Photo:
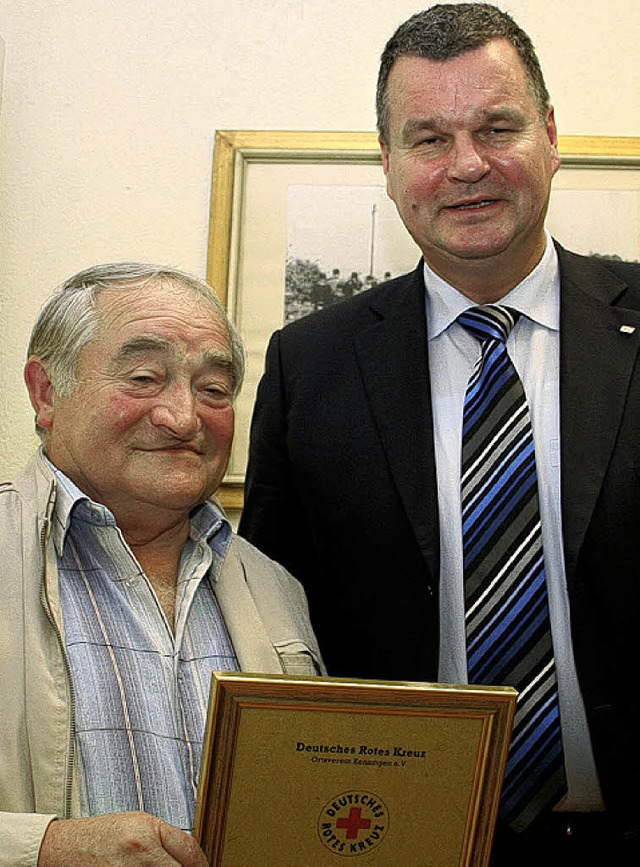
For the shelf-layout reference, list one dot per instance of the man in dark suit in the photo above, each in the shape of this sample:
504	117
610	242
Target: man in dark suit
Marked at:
353	478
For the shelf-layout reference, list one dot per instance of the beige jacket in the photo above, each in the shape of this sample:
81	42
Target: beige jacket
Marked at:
265	610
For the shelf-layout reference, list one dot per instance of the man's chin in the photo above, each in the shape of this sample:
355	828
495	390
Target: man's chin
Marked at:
468	250
175	490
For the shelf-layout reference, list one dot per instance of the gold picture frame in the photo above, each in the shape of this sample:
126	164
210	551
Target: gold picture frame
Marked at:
313	770
247	245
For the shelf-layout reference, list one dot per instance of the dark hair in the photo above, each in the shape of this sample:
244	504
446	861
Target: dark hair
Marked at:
447	30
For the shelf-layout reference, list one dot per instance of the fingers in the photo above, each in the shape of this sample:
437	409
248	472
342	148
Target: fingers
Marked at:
118	840
181	846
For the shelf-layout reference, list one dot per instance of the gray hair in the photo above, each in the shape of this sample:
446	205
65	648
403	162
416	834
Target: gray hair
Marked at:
448	30
69	320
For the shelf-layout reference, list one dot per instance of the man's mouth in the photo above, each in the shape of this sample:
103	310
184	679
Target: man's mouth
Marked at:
472	206
175	448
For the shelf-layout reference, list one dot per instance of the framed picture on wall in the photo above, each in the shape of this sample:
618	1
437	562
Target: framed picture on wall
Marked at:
300	220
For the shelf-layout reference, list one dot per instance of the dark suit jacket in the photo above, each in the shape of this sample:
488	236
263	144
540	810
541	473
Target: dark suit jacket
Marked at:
341	488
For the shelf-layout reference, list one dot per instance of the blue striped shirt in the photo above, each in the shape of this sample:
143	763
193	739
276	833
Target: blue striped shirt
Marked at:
141	688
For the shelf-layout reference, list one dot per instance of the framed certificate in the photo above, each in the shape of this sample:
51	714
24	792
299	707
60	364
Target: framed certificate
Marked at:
307	772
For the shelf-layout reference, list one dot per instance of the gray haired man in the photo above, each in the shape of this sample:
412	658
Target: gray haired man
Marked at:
124	586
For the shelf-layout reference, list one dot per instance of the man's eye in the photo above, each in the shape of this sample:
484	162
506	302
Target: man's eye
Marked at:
218	395
143	380
430	146
500	132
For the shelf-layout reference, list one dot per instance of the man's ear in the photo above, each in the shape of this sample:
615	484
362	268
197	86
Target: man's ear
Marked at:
384	150
552	134
40	392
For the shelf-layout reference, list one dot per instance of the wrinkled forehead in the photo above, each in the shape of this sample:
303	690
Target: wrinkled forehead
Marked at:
495	66
170	290
159	317
161	299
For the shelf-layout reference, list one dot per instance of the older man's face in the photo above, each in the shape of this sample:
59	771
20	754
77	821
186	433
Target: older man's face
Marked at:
151	422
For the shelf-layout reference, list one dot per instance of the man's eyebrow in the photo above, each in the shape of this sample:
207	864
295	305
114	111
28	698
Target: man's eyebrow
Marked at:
418	124
510	113
144	344
221	360
140	345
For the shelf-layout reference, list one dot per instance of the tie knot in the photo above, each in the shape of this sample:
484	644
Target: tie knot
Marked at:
489	321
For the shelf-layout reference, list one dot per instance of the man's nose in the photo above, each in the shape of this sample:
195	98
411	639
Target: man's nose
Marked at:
467	161
176	410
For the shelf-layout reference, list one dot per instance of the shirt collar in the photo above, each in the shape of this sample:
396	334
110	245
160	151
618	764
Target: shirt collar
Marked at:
537	297
207	519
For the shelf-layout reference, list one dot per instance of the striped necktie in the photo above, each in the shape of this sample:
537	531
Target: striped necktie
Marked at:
507	613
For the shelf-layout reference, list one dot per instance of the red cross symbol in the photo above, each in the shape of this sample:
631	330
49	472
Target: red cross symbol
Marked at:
354	823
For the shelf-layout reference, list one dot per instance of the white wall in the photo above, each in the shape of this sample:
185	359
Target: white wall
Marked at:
109	112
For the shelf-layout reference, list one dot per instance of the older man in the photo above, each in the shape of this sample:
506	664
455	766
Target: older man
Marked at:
123	585
392	464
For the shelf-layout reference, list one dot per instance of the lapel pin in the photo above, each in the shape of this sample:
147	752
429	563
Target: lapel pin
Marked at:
627	329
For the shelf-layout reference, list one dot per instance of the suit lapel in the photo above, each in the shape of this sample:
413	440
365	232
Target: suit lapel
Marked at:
597	359
392	355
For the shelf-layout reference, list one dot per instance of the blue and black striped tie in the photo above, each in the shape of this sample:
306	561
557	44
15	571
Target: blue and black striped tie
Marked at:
507	613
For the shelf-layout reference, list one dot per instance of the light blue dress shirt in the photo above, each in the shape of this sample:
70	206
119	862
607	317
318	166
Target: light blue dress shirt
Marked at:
141	688
534	347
